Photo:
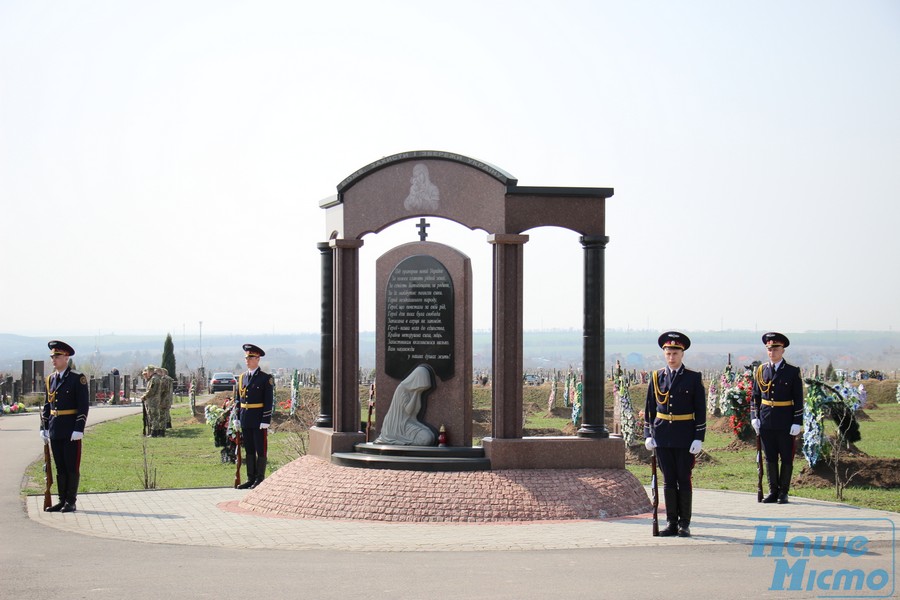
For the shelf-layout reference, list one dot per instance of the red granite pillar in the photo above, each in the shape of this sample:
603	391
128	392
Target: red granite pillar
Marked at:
507	335
346	335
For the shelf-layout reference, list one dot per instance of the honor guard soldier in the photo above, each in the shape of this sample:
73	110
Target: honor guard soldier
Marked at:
776	414
255	398
675	425
62	423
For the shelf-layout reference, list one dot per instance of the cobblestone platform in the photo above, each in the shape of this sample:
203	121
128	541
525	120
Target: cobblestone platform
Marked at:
312	488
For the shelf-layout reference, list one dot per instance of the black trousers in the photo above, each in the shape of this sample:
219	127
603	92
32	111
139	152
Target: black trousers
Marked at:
676	464
256	446
777	443
67	456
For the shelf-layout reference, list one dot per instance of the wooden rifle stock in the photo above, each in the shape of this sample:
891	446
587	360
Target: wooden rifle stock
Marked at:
654	493
759	470
371	406
146	425
48	477
237	449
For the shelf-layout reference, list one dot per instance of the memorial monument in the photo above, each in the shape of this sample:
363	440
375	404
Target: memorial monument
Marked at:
424	355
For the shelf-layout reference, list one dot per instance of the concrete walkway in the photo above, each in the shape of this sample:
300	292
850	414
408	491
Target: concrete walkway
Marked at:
630	561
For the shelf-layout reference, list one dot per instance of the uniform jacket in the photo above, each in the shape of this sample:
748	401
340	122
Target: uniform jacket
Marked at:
685	397
253	391
153	395
70	394
165	392
787	386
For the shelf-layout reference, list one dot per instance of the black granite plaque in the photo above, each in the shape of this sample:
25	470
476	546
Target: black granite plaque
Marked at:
419	317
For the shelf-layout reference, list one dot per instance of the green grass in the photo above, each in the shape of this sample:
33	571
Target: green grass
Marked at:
881	433
113	457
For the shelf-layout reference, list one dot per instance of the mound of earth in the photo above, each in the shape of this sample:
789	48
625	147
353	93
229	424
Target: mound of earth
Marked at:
862	471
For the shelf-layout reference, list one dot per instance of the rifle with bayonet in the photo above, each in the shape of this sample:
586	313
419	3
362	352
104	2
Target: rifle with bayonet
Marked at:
48	477
759	470
371	407
654	485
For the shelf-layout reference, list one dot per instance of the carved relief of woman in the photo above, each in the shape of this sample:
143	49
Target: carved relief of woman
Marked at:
423	195
400	426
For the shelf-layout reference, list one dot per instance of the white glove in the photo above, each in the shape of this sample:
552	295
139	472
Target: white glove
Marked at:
263	425
755	424
77	435
45	435
650	444
696	447
795	429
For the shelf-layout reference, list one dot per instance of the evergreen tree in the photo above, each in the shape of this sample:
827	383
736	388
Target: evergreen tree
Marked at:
829	372
168	356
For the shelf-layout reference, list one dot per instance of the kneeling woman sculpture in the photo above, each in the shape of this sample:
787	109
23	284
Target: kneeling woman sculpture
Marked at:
400	427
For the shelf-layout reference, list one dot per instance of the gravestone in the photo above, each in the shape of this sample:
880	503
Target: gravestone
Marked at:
27	376
424	311
38	381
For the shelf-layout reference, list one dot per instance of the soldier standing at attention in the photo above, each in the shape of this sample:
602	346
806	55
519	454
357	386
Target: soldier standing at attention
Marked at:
675	424
776	414
62	423
255	398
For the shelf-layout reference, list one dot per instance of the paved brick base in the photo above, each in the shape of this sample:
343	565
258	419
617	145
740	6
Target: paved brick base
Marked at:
312	488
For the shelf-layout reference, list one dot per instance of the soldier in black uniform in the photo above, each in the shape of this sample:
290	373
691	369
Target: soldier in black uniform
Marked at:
254	401
675	425
776	414
62	423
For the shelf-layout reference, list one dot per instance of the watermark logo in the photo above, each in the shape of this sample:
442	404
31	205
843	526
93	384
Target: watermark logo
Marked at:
837	558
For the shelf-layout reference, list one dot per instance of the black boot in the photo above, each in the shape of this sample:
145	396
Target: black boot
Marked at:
784	481
772	474
260	471
671	499
685	499
56	507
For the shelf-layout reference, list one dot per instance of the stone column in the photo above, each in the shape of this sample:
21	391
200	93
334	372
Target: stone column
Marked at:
345	369
126	387
593	398
506	361
326	384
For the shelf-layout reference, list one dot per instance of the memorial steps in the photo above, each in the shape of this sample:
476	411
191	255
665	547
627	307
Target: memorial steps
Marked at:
414	458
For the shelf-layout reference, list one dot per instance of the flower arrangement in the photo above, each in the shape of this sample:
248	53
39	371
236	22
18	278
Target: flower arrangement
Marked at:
576	403
712	399
736	400
839	402
898	393
15	407
567	390
621	387
213	413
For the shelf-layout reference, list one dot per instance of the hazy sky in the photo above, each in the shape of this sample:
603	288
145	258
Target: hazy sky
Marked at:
161	163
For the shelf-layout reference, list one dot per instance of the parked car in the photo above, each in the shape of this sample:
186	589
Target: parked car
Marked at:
222	382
